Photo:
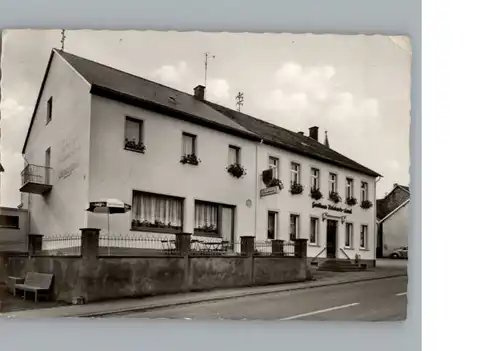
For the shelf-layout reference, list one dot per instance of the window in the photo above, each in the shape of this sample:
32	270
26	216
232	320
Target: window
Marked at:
214	220
188	144
234	155
272	225
348	235
349	188
49	110
133	130
10	222
332	183
157	212
294	226
364	191
363	239
274	165
295	173
313	236
314	178
206	217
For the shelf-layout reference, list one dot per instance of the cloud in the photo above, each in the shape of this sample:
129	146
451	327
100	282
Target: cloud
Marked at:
173	75
217	89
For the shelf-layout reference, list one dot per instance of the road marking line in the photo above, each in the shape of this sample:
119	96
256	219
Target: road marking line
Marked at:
319	311
401	294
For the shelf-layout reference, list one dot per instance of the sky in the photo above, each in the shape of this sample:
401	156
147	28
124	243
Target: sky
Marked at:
355	87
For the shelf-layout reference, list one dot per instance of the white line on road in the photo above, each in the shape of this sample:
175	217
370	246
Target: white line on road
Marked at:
401	294
319	311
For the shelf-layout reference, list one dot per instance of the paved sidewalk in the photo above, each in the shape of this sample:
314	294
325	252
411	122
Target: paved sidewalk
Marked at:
142	304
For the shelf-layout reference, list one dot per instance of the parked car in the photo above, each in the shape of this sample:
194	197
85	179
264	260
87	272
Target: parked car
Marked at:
401	252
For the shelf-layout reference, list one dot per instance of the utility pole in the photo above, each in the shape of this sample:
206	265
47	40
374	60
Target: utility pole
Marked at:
63	38
207	56
239	100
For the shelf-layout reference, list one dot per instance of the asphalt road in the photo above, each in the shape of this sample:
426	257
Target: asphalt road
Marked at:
377	300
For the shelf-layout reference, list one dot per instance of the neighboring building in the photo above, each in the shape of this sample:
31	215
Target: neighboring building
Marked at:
13	229
175	172
393	218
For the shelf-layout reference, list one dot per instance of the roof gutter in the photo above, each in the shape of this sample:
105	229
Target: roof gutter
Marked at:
159	108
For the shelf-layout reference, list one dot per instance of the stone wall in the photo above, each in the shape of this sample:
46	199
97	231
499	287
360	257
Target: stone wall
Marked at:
96	278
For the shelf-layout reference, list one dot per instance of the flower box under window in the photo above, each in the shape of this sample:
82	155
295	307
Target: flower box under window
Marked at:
275	182
236	170
133	145
351	201
296	188
190	159
335	197
137	224
366	204
316	194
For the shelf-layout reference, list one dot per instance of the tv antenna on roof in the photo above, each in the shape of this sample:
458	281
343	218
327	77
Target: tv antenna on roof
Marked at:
63	38
239	100
207	56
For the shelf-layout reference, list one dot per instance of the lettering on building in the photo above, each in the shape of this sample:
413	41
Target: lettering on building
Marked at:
331	207
269	191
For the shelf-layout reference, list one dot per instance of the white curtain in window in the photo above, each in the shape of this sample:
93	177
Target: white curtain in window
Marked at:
151	208
233	158
132	131
187	145
206	216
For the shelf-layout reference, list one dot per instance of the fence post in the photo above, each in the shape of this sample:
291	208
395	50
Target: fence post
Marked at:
90	242
300	248
247	245
183	243
34	243
277	247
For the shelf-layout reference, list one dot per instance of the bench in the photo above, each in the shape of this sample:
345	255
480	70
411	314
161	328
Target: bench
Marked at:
39	283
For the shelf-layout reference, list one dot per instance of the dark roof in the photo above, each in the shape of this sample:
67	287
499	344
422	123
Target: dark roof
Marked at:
292	141
407	188
112	83
385	206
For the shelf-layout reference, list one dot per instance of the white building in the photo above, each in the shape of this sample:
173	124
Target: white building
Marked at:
394	220
79	148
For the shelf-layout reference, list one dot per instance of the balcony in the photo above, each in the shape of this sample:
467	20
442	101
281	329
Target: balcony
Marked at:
36	179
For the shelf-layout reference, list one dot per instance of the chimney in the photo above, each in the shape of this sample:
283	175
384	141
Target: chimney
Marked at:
301	133
313	133
199	92
395	184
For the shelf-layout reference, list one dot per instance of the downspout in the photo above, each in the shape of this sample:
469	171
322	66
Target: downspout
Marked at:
256	186
29	201
375	219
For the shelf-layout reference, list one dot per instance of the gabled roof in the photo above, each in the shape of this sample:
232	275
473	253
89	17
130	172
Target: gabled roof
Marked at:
383	208
403	204
118	85
292	141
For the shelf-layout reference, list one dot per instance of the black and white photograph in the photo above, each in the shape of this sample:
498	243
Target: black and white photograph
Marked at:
204	176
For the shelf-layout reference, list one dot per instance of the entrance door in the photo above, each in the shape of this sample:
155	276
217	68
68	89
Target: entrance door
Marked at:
331	238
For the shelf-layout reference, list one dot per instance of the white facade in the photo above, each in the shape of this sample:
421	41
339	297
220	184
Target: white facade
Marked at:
86	137
396	228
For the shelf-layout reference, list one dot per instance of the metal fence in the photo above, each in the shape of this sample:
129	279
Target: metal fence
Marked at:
161	245
276	248
137	245
61	245
214	247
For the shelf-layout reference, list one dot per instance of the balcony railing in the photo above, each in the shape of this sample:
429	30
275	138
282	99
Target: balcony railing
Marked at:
36	179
